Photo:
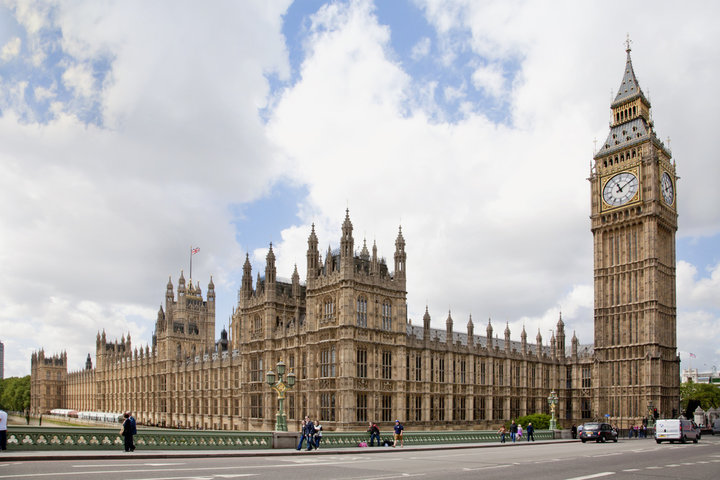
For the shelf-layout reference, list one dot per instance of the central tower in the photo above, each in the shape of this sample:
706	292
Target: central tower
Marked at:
634	220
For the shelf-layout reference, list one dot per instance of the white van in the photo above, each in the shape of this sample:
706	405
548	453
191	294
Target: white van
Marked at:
672	430
716	427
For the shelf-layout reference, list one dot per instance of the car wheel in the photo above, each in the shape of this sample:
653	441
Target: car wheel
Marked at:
683	440
615	439
695	440
604	439
658	441
582	440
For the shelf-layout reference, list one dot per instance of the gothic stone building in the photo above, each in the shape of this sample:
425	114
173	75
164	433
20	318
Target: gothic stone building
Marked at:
344	332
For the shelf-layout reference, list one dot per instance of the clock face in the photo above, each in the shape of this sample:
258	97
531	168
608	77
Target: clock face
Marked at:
620	189
666	186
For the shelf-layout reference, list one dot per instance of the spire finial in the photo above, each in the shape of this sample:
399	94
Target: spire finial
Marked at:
627	44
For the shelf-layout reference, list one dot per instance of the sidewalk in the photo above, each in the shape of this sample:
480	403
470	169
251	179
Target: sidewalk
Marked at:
55	455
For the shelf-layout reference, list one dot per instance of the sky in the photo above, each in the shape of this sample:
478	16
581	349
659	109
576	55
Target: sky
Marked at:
131	131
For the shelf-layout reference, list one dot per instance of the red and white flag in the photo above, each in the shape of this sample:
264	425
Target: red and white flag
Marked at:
692	355
195	250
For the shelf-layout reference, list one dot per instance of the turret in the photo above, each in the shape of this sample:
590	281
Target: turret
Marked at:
181	284
246	282
295	283
374	265
470	332
507	337
560	337
211	291
88	363
400	256
347	244
426	324
553	346
169	294
270	270
538	339
574	343
523	340
365	253
449	329
489	334
313	255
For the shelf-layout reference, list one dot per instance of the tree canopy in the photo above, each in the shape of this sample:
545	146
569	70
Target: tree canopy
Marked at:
704	395
15	393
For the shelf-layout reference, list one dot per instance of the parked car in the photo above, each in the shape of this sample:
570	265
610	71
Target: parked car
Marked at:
716	427
599	432
676	430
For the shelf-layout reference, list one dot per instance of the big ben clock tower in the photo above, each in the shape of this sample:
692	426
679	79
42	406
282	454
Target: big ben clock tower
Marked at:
634	220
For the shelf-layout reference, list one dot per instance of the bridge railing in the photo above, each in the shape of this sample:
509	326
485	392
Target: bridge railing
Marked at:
88	438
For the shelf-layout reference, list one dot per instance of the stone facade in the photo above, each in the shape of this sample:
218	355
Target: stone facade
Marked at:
344	332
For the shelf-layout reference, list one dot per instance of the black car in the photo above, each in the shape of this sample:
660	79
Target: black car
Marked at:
599	432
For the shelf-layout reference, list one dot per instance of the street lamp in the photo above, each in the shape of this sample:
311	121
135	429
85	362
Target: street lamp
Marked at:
552	401
280	387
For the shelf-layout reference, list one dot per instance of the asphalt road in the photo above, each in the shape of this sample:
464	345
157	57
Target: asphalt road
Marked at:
627	459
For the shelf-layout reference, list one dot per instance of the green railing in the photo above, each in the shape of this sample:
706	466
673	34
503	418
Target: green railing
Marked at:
88	438
353	439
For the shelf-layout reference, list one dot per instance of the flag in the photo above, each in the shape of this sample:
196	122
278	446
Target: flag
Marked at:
195	250
692	355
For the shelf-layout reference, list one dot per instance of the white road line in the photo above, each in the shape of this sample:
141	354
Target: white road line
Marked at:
596	475
607	455
485	468
672	465
653	468
130	465
631	470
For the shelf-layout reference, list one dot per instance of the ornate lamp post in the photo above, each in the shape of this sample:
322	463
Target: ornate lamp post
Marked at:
280	387
651	417
552	401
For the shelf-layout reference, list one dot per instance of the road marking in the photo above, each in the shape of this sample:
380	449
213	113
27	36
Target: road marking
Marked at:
607	454
653	468
596	475
631	470
485	468
703	461
672	465
548	461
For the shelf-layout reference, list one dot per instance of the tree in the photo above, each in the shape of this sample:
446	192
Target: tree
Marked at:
703	395
15	393
541	421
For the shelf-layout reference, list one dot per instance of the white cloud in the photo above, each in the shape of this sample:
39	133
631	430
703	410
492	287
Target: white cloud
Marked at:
421	49
11	49
495	215
79	78
490	79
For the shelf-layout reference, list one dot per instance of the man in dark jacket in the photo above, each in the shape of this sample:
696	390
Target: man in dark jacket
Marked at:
513	431
129	429
374	432
530	431
309	432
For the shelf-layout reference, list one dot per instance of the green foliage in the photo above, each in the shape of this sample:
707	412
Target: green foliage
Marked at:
692	395
15	393
541	421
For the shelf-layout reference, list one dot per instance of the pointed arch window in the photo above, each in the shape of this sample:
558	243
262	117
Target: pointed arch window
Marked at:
387	315
328	309
362	312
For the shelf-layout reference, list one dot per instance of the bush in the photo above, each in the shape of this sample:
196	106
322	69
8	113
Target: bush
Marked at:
540	421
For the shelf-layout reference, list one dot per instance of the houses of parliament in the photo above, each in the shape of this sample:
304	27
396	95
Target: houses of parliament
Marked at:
345	334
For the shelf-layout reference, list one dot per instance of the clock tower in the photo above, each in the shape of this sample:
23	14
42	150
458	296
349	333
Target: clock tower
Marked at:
634	220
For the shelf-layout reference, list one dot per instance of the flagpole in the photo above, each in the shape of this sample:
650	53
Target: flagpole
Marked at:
191	254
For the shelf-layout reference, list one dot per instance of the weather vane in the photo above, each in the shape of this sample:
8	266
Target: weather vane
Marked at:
627	43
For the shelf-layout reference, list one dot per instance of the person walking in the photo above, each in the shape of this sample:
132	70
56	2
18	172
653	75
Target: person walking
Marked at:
530	432
309	433
519	435
398	433
318	434
302	433
3	430
374	432
502	432
573	431
127	431
513	431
